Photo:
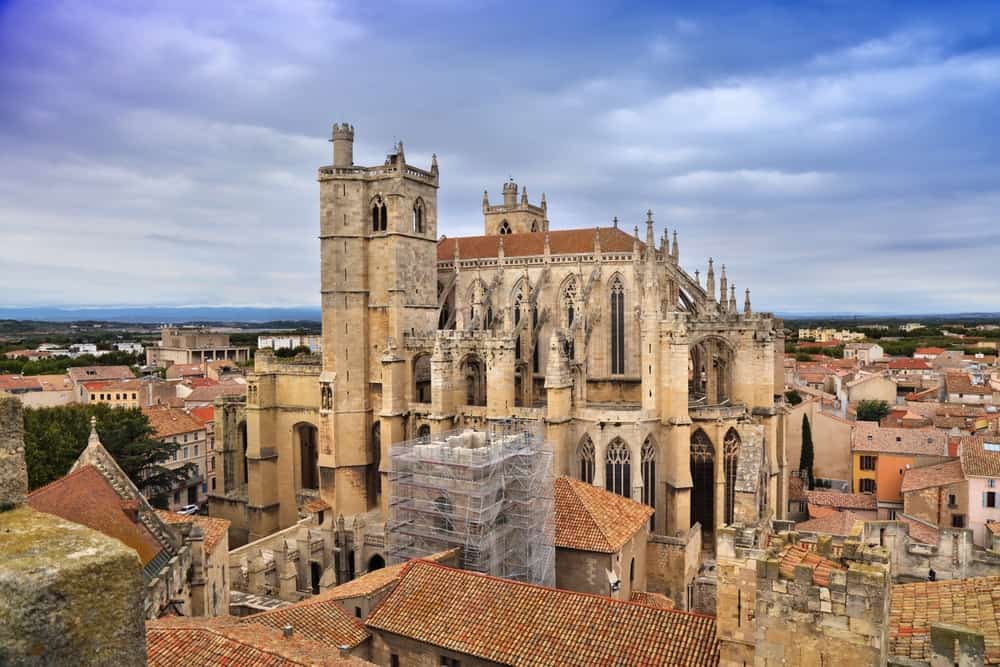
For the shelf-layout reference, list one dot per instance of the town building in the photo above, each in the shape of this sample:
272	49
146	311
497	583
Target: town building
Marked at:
78	375
959	388
128	347
38	391
193	346
937	494
650	381
881	456
865	353
290	342
981	466
114	393
186	431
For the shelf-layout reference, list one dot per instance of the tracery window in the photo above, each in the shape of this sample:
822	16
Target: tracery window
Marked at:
649	478
587	456
731	452
418	217
504	228
618	468
379	215
617	326
569	301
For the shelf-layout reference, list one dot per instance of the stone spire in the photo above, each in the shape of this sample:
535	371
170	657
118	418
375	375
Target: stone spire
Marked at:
746	303
486	201
723	288
399	152
94	440
544	204
524	196
635	241
697	277
710	280
650	234
675	250
732	298
665	244
434	163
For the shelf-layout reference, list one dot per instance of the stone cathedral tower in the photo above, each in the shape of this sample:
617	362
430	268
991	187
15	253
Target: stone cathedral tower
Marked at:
378	248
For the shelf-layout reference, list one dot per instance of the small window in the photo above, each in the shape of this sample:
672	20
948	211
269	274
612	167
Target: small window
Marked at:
185	452
394	660
196	450
357	612
213	484
990	499
892	515
952	500
958	521
867	486
868	462
992	483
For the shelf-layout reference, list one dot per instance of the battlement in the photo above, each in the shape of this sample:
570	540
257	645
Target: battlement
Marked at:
343	131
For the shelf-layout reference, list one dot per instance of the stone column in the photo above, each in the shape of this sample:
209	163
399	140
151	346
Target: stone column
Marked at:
600	453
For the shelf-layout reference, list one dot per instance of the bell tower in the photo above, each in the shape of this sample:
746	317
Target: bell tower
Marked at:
378	254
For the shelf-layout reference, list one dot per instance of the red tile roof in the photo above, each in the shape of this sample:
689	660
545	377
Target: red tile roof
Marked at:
204	413
168	421
561	242
113	385
940	474
980	455
658	600
19	383
320	618
929	350
870	437
592	519
960	383
908	364
84	496
213	528
797	554
834	523
853	501
209	394
919	531
86	373
974	602
521	624
375	581
184	370
205	642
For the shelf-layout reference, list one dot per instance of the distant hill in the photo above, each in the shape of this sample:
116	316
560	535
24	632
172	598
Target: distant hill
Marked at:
162	314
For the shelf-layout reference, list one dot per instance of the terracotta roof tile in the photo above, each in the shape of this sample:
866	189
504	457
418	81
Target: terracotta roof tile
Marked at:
920	531
658	600
592	519
86	373
319	618
203	642
561	242
960	383
870	437
797	554
834	523
204	413
209	394
513	623
974	602
929	350
168	421
84	496
853	501
940	474
19	383
907	364
372	582
213	528
184	370
980	455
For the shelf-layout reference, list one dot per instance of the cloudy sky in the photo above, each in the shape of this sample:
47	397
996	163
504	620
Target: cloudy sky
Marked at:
836	156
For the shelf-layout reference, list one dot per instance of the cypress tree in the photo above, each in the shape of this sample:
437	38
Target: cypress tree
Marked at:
806	460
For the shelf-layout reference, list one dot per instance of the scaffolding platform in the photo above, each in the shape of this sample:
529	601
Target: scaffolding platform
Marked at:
489	492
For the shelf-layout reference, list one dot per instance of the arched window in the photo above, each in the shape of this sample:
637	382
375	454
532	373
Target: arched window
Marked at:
649	477
731	451
703	479
424	431
474	372
504	228
418	217
534	225
569	302
308	456
422	378
617	326
587	456
618	469
379	215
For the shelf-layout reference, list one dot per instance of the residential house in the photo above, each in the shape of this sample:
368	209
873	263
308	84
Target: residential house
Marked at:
881	456
39	391
81	374
928	353
865	353
959	388
189	434
981	464
206	415
185	371
115	393
937	494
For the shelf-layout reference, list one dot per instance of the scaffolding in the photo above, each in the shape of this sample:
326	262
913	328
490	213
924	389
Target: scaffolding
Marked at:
488	492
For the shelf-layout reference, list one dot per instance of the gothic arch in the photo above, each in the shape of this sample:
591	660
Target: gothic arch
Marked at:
380	218
711	366
534	225
419	216
647	459
618	468
504	228
424	431
586	456
473	371
731	457
307	445
617	323
703	479
569	293
422	377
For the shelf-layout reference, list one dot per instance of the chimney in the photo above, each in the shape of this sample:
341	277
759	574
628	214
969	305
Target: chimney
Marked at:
287	631
344	651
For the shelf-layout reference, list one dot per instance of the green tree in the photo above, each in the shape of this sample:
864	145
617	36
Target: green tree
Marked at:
793	397
806	456
872	411
55	437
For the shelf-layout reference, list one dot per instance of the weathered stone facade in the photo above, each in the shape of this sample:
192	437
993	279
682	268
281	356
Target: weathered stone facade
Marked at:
650	381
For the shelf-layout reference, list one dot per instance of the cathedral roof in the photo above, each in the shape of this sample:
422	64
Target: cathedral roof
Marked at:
319	618
561	242
514	623
591	519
